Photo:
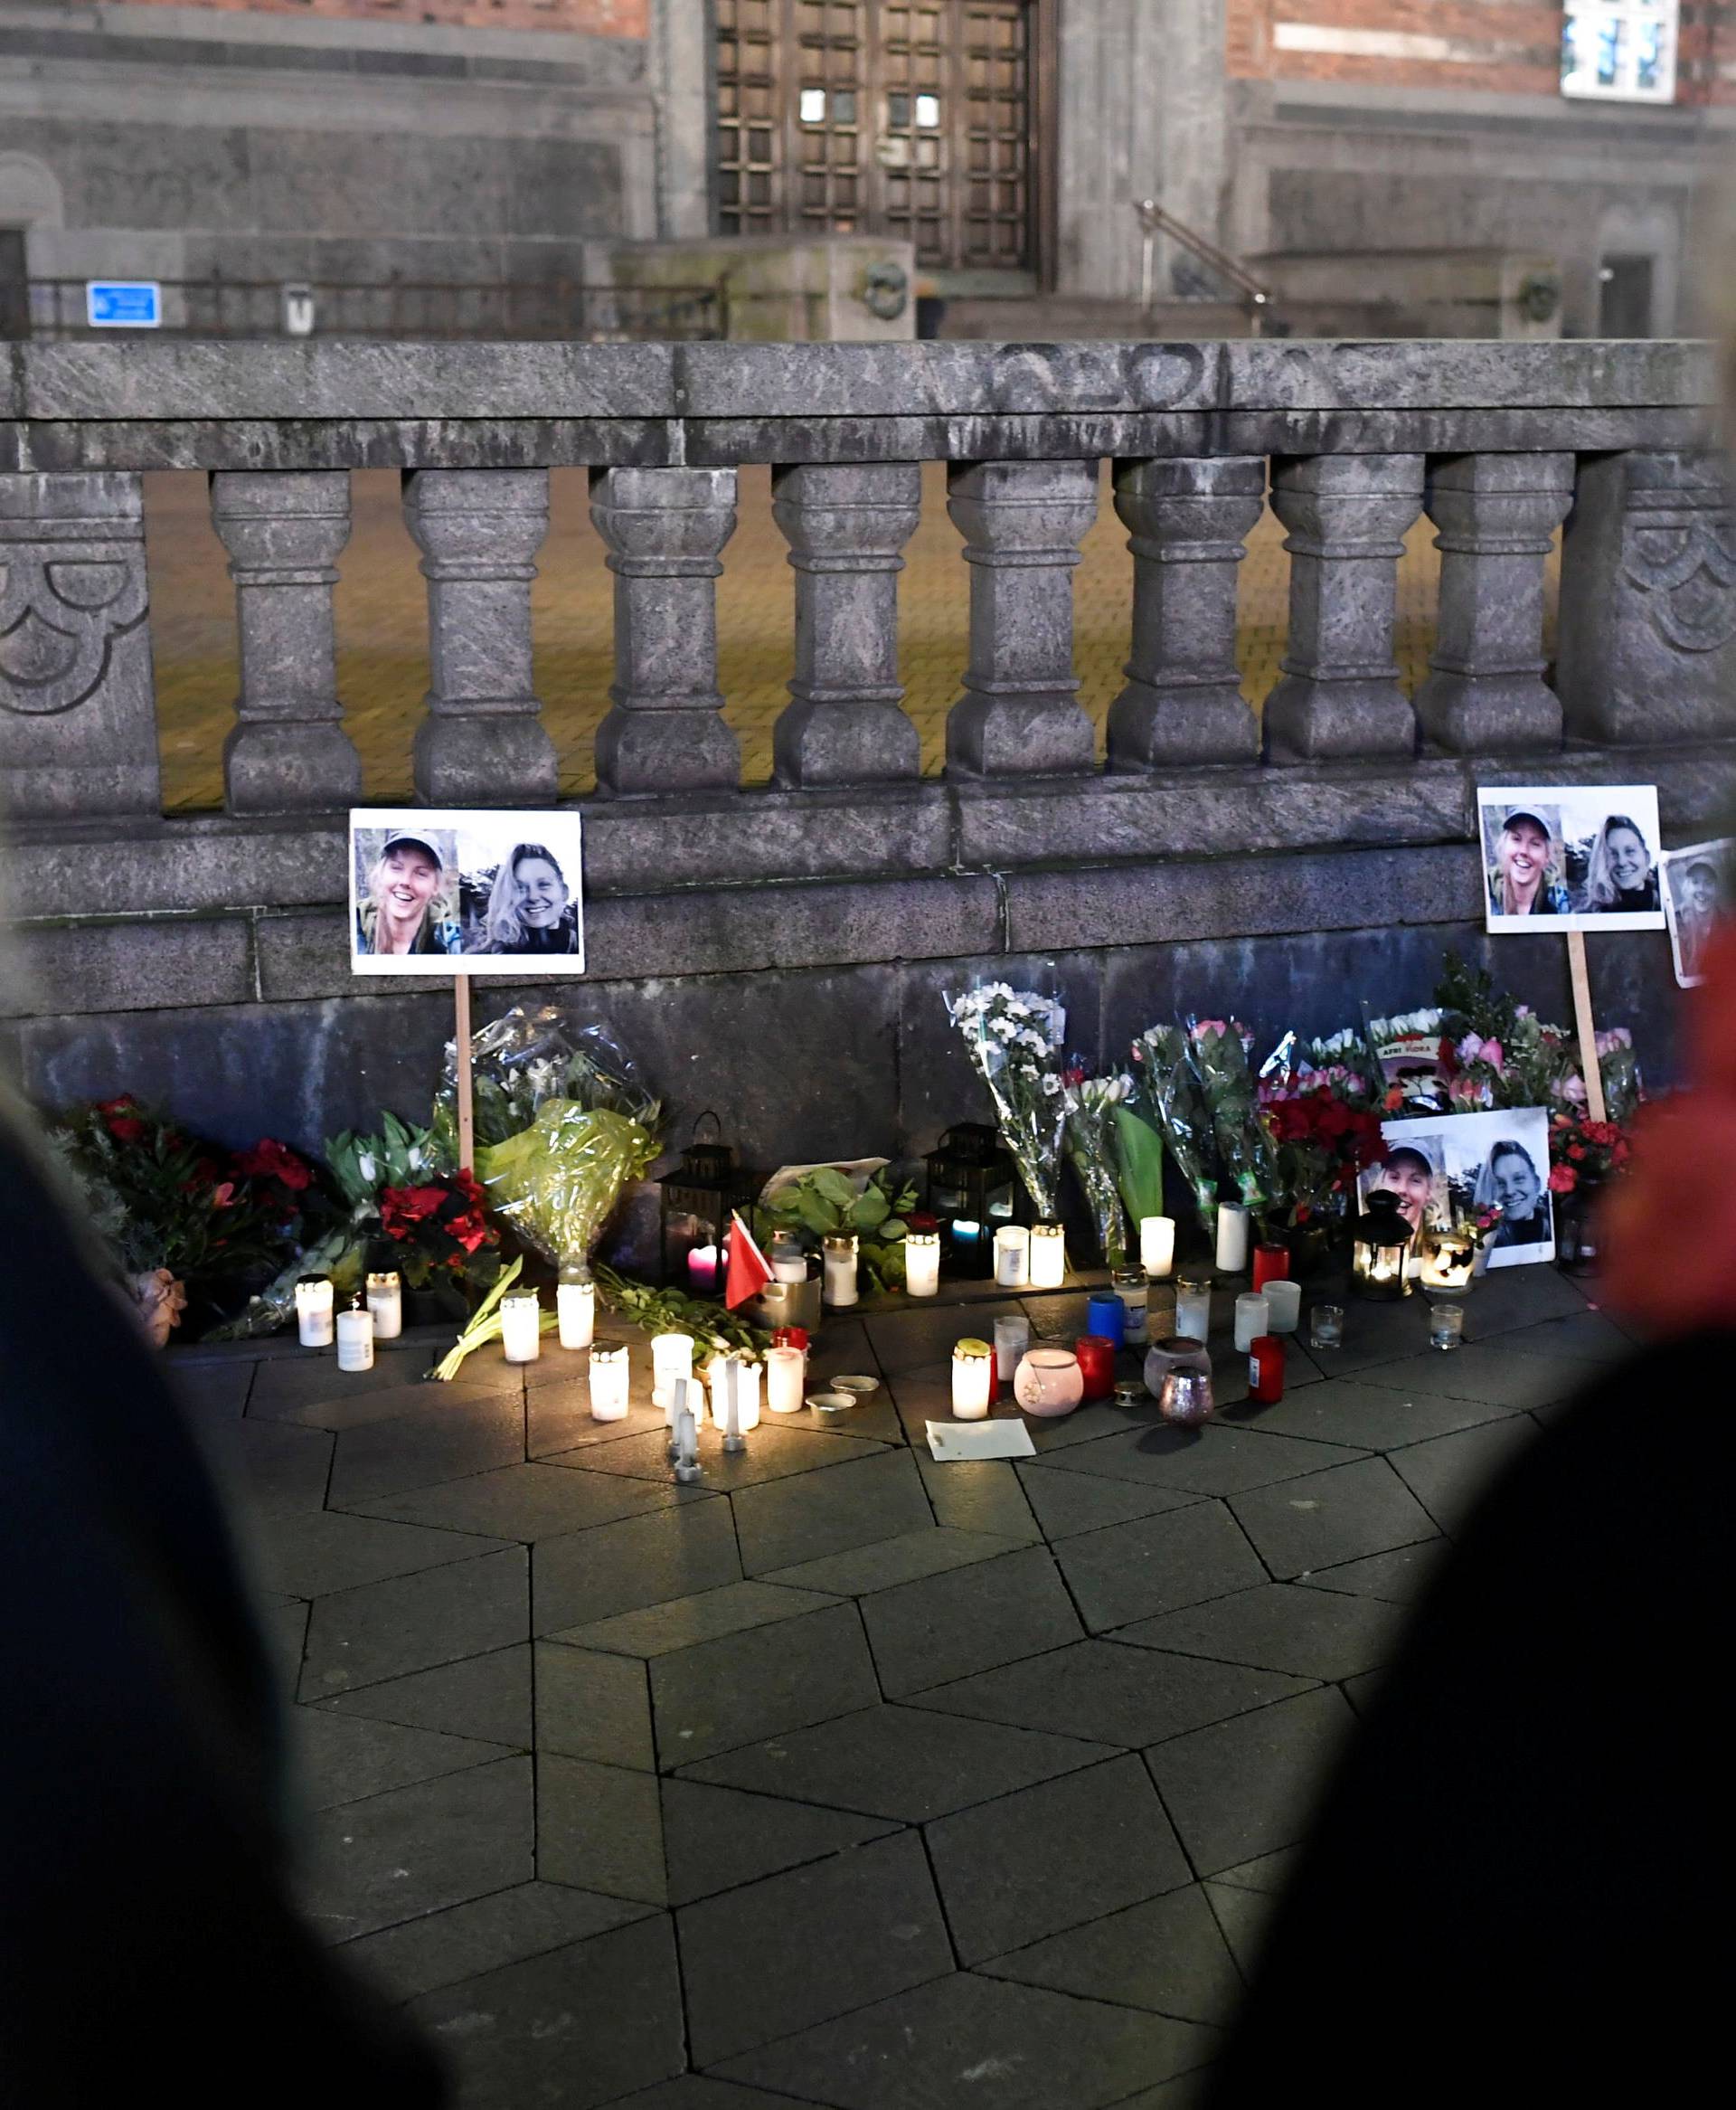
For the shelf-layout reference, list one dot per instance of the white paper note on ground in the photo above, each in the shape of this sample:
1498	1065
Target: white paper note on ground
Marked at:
952	1443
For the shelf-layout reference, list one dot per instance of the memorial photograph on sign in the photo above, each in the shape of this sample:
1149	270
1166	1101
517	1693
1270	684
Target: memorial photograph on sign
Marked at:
1450	1168
1697	893
1580	857
436	892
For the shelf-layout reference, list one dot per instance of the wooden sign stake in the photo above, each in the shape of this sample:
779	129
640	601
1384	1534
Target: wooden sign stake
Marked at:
1588	1026
461	1045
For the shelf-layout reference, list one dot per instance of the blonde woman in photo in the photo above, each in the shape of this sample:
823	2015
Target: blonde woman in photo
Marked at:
530	908
407	909
1620	876
1525	879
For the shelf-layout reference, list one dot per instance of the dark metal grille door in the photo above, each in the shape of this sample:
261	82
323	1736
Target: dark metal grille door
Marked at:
848	116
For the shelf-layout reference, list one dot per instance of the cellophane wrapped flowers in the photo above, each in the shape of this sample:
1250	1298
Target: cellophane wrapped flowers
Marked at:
1220	1048
1014	1038
1171	1090
1090	1104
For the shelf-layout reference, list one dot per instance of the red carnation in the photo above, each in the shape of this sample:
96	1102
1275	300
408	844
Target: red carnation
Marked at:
126	1127
1563	1179
269	1160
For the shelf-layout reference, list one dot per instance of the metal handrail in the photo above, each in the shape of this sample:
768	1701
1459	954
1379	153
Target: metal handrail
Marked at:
1155	220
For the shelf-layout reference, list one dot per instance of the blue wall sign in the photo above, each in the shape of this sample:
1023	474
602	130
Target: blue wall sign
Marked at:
134	304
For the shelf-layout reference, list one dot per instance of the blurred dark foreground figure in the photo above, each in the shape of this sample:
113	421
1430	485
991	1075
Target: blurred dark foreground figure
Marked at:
1507	1891
147	1939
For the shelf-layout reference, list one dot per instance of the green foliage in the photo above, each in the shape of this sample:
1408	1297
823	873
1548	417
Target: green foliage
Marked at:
708	1324
398	1156
824	1204
1139	1164
1469	1002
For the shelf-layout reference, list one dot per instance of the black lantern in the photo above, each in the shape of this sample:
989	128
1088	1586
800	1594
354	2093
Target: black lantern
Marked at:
1380	1249
698	1198
973	1189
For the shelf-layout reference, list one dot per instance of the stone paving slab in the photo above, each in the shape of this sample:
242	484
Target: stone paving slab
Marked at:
1495	1373
599	1828
1157	1564
968	1619
508	1926
1326	1517
1449	1475
680	1622
593	1706
775	1450
1246	1786
905	1559
528	1502
361	1637
486	1695
1066	1503
1368	1416
370	1403
1167	1953
714	1838
694	2091
1310	1634
1216	1460
314	1553
593	1574
558	1423
1398	1577
743	1688
856	1503
436	1443
343	1758
270	1471
1244	1917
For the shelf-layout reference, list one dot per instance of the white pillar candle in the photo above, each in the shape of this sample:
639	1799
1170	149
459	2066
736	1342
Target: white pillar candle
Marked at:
1253	1318
922	1263
840	1286
1013	1256
1232	1239
314	1312
722	1373
786	1378
575	1307
1012	1337
1157	1247
1048	1256
521	1326
386	1302
356	1340
672	1358
973	1380
1284	1302
610	1382
1193	1308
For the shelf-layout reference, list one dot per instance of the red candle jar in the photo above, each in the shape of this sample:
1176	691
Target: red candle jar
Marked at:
1096	1354
1272	1264
790	1337
1266	1370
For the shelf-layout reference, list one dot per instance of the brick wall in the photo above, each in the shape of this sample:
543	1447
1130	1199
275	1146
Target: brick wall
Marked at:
624	18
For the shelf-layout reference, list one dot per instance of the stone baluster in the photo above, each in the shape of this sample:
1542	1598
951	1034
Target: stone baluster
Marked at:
1184	701
845	526
483	741
287	751
1648	634
78	710
1021	522
666	529
1496	514
1348	514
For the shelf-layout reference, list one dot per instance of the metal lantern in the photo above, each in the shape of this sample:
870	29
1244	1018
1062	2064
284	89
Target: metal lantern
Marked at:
1379	1249
972	1181
698	1198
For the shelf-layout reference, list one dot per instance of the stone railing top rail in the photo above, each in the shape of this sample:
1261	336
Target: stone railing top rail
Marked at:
208	381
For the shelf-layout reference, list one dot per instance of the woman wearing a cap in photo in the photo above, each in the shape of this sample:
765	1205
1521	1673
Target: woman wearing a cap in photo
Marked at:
1620	875
1524	881
406	910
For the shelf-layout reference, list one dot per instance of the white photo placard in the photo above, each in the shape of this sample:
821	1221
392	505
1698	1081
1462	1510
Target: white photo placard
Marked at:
1697	886
1570	858
436	890
1446	1168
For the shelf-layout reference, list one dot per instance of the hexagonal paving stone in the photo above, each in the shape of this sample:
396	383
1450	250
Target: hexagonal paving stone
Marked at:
594	1575
745	1686
1244	1787
1156	1564
969	1619
830	1511
466	1608
1326	1517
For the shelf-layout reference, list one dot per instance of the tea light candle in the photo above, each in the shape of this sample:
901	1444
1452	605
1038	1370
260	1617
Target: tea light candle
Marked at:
786	1377
789	1264
1193	1307
1048	1256
575	1309
611	1381
1157	1247
386	1302
735	1393
356	1340
1129	1285
314	1312
1013	1256
840	1286
1232	1239
671	1356
521	1326
922	1263
973	1380
1011	1339
966	1233
702	1270
1284	1303
1253	1319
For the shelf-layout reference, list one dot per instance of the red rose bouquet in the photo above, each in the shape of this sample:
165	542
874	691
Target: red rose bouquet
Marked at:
1323	1134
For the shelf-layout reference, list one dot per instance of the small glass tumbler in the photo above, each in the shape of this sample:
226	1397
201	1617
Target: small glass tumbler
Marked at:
1326	1327
1446	1323
1186	1397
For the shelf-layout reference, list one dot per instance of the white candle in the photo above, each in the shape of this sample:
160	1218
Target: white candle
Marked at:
922	1263
314	1312
686	1433
1232	1239
1253	1317
1013	1256
788	1264
973	1380
727	1373
610	1380
1284	1300
386	1301
1157	1247
1129	1284
521	1326
1048	1256
786	1378
840	1287
1193	1308
1012	1337
356	1340
672	1358
575	1307
703	1265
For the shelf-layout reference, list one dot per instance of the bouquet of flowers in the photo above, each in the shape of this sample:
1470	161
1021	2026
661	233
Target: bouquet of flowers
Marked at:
1090	1105
1583	1152
1178	1106
812	1202
1219	1048
1014	1038
431	1222
1322	1135
562	1125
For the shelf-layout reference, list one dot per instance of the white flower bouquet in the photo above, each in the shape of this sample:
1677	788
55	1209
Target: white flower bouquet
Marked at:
1014	1038
1091	1106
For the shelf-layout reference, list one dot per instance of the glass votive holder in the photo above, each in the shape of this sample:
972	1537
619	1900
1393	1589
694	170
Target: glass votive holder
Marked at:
1186	1397
671	1356
1175	1352
1446	1323
1253	1319
972	1379
1194	1306
1283	1304
1326	1327
1012	1337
